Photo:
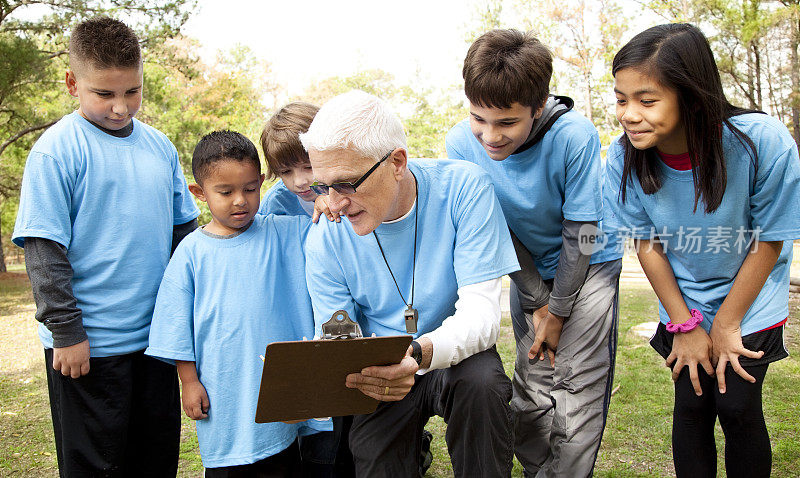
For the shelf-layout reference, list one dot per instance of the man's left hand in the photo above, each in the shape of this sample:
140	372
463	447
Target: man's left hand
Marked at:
389	383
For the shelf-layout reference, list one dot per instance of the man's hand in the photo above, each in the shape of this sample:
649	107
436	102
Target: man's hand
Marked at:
390	383
548	334
691	348
321	207
726	346
72	361
195	400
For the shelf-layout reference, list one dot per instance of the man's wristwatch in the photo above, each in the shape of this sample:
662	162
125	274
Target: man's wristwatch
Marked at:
416	352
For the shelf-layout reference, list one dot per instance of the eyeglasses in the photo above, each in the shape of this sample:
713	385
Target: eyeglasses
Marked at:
346	187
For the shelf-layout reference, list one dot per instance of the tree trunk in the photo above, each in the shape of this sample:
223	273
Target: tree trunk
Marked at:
757	74
2	256
751	88
795	96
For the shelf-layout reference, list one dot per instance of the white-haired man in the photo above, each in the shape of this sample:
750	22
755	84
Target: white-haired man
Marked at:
421	251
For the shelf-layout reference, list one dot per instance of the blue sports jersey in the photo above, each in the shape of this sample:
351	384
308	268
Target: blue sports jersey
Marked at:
279	200
221	302
462	239
707	250
112	202
555	179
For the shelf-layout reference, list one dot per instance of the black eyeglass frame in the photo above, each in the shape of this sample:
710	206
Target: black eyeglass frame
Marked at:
346	187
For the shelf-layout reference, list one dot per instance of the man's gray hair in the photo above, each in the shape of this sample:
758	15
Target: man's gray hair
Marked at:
356	121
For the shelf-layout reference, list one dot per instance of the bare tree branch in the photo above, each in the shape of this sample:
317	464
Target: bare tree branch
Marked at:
24	132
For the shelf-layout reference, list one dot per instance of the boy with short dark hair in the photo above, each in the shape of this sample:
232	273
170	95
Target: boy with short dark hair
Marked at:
544	161
215	320
102	204
286	159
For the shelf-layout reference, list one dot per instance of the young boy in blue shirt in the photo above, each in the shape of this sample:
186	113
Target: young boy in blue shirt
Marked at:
287	160
215	322
103	203
324	454
544	161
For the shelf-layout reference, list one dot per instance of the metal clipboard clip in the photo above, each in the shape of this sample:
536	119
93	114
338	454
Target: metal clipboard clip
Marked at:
341	326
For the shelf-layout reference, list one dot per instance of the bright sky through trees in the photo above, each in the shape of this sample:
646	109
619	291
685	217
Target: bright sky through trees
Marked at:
309	40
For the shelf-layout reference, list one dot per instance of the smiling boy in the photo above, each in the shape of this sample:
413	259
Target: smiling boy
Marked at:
103	203
287	160
544	161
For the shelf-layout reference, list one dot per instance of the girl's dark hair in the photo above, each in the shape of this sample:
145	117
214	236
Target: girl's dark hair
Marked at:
679	57
222	145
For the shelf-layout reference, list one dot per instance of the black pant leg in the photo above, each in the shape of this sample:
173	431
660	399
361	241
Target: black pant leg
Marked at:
91	417
386	443
693	448
473	397
154	433
285	464
327	454
748	453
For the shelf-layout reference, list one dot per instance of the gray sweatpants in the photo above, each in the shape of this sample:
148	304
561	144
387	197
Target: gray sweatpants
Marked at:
560	412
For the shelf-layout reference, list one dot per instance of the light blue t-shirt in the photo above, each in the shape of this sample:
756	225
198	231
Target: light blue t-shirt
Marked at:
555	179
112	203
707	250
221	302
462	239
279	200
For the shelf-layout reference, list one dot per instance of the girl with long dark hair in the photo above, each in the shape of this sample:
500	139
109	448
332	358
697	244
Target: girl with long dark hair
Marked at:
710	193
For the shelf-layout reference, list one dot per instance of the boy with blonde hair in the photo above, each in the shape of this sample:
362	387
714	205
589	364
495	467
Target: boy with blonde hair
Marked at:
287	160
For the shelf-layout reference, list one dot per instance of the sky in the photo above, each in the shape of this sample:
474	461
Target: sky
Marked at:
307	40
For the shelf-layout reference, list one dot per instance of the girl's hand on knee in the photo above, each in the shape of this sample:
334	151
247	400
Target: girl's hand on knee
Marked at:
726	348
691	348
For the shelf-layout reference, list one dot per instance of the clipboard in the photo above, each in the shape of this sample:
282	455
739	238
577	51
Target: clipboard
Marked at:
306	379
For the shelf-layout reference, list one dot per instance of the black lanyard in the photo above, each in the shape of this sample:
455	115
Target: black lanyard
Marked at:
410	314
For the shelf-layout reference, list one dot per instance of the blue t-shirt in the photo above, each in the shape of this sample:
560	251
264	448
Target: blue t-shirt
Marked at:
282	202
112	203
462	239
707	250
221	302
555	179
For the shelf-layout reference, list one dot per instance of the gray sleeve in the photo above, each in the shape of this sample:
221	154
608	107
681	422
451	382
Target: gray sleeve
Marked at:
532	290
180	231
573	266
51	280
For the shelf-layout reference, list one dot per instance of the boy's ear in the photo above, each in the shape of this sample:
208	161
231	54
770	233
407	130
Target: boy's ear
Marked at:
538	113
261	179
197	191
72	83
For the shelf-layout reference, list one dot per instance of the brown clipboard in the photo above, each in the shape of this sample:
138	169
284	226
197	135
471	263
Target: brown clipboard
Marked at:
306	379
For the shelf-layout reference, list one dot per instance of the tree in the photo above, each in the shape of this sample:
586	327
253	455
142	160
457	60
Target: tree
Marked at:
33	58
756	47
427	113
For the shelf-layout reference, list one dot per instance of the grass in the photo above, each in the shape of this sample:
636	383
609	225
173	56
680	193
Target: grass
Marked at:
636	442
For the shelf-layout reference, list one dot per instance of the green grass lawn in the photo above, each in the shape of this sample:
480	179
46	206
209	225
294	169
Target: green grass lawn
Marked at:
636	441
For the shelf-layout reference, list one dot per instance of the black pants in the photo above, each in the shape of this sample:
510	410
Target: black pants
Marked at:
121	419
472	397
285	464
747	448
327	454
